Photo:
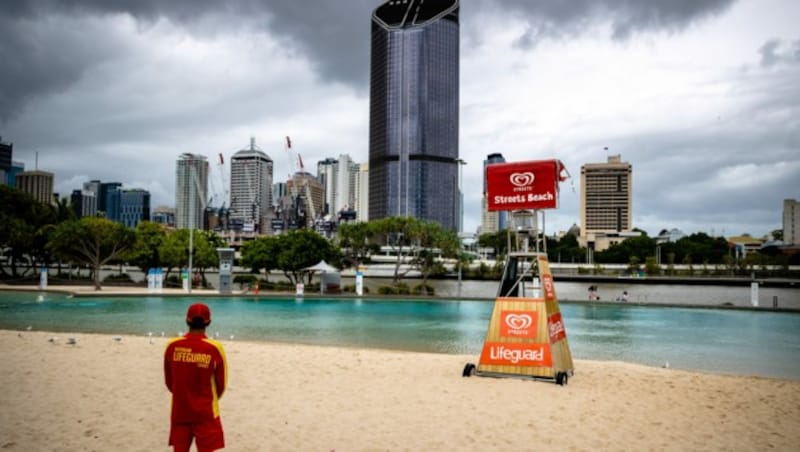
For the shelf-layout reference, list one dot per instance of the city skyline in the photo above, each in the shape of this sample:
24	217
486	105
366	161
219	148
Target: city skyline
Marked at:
700	98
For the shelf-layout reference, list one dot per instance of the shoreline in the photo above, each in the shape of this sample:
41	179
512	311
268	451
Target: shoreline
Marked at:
131	291
104	394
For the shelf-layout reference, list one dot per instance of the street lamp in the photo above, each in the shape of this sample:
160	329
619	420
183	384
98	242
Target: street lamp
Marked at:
461	162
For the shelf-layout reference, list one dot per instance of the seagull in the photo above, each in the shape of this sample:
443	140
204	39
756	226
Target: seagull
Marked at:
149	334
151	340
118	338
216	335
53	339
162	334
666	365
28	328
72	341
232	336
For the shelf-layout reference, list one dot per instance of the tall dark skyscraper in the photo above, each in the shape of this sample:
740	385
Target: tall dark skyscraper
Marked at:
413	118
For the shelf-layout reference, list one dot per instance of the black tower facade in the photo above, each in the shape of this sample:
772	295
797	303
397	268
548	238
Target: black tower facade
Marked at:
413	130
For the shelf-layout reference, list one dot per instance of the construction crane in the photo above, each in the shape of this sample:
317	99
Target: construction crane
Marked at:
220	194
297	166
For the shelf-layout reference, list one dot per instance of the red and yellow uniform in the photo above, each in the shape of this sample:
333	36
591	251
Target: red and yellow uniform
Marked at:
195	371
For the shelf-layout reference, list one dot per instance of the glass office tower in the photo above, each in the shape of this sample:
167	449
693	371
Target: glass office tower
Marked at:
413	130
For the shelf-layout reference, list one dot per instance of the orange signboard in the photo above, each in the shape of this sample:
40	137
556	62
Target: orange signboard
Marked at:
518	323
516	354
555	327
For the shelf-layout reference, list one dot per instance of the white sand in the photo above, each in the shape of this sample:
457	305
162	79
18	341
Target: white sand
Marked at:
106	395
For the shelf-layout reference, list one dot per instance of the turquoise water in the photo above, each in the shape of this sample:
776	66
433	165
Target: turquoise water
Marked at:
713	340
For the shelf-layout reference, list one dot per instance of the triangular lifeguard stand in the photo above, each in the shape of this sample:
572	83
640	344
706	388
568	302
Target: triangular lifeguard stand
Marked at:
526	337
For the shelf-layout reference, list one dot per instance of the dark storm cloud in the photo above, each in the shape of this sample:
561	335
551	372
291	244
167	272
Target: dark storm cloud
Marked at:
548	19
332	34
776	51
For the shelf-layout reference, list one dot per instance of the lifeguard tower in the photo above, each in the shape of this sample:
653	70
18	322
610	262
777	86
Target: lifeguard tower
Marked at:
526	337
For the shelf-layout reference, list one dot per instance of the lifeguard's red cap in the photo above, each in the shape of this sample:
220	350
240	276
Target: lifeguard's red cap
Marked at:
198	310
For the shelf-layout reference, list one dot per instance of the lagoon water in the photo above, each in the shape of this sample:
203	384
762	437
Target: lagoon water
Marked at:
715	340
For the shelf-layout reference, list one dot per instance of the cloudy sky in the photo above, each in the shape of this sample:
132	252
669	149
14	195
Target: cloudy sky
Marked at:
702	97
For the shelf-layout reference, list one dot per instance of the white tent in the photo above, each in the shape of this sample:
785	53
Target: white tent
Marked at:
323	267
329	279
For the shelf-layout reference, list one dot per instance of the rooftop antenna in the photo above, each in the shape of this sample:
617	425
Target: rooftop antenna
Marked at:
36	165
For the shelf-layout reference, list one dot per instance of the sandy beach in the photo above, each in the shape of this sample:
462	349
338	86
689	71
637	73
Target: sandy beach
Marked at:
105	394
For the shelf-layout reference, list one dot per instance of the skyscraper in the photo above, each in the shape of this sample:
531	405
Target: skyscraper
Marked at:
361	203
251	186
491	221
37	183
191	190
413	137
791	222
134	207
6	154
339	179
606	203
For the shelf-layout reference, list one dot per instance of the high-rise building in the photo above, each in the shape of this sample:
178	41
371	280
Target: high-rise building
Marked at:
90	204
84	203
278	192
108	199
11	174
134	207
606	203
491	222
38	184
791	222
361	202
309	196
339	179
163	215
191	190
251	187
6	154
413	131
326	173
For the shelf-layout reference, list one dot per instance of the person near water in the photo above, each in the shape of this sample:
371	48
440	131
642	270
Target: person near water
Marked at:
195	372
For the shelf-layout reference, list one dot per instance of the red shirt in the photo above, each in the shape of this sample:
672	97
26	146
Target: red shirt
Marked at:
195	371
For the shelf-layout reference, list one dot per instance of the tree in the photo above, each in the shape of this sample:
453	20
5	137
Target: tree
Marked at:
426	236
296	250
565	250
145	252
91	241
498	241
640	247
174	251
355	242
22	218
260	254
396	233
205	252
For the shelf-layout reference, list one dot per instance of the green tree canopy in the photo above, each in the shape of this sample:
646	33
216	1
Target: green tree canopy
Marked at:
639	247
355	241
296	250
22	219
145	252
91	241
495	240
174	250
260	254
425	236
